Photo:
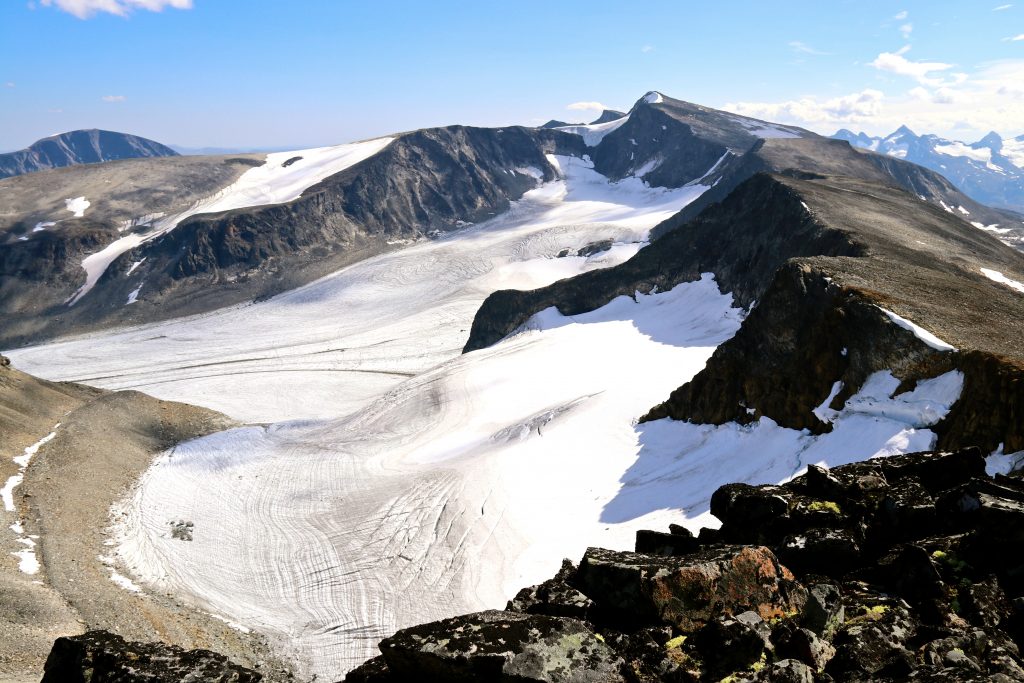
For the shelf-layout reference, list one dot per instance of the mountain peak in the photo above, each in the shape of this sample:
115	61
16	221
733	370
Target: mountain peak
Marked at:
608	115
993	139
903	130
653	97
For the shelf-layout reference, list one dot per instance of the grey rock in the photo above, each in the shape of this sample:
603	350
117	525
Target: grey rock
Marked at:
501	646
99	656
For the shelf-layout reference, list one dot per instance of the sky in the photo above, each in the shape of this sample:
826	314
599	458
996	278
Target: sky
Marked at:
261	74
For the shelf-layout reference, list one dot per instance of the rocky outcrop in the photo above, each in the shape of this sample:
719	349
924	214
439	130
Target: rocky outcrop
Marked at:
79	147
821	258
742	241
899	572
502	646
99	656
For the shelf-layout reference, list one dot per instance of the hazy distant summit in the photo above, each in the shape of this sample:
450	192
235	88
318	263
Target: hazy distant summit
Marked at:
79	147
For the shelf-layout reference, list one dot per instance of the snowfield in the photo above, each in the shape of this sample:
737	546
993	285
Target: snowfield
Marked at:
385	479
327	349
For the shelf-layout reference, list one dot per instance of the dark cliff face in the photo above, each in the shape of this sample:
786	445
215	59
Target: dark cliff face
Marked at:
742	241
822	257
79	147
428	181
815	156
424	183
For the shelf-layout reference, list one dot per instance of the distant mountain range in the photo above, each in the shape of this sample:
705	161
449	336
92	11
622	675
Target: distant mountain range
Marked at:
990	170
79	147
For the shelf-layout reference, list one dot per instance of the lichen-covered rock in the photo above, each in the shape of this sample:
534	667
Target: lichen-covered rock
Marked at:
823	612
555	597
730	644
873	641
689	592
785	671
102	657
501	646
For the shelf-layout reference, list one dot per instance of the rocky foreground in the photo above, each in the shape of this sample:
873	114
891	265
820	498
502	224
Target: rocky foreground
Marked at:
895	569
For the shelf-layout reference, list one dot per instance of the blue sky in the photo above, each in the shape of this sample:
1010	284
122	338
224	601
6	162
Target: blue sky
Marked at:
263	73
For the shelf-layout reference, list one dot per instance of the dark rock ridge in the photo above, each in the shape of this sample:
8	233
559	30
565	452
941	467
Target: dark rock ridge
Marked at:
820	256
79	147
426	182
887	570
608	115
102	657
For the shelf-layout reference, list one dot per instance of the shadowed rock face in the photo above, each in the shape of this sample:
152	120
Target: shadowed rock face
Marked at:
820	256
426	182
79	147
103	656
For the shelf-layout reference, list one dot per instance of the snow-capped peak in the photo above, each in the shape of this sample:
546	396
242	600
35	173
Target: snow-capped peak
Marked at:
653	97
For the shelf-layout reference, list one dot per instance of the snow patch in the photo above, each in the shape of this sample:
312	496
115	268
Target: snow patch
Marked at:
648	166
594	133
823	412
135	264
654	97
43	226
959	149
133	296
7	492
919	332
1003	463
77	206
996	276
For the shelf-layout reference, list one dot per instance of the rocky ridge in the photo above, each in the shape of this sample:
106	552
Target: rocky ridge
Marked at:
426	183
886	570
821	258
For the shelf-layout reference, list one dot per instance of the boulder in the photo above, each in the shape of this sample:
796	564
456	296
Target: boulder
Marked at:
555	597
99	656
691	591
873	642
501	646
660	543
785	671
821	551
730	644
823	612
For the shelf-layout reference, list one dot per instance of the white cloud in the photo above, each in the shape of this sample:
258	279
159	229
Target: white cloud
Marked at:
114	98
647	48
900	16
1001	8
587	106
966	106
804	48
1020	37
906	29
853	107
9	84
83	9
896	63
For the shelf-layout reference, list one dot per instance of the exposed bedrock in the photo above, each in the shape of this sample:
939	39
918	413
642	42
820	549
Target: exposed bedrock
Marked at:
892	569
742	241
101	656
817	260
